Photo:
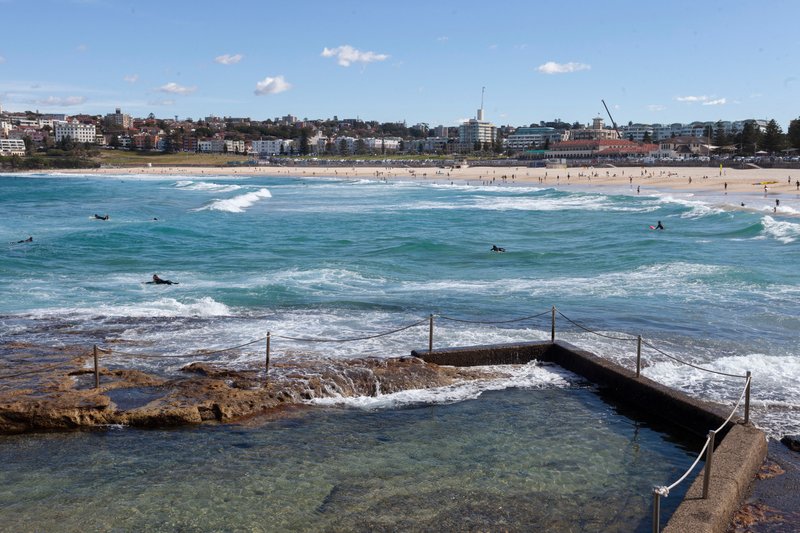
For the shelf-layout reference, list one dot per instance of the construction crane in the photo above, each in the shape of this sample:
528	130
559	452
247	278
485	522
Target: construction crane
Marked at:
613	123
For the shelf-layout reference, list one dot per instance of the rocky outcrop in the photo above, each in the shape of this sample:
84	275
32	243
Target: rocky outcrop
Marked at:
792	442
64	397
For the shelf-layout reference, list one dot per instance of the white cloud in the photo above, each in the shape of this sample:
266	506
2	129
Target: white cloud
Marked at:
161	102
551	67
61	101
227	59
2	59
174	88
82	48
691	98
656	107
718	101
443	39
131	78
272	86
346	55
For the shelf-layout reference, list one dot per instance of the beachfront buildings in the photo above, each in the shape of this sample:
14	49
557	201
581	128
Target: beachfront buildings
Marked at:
601	148
596	132
532	138
657	132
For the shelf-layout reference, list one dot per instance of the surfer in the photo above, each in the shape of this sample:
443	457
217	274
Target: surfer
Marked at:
496	248
160	281
98	217
659	225
29	239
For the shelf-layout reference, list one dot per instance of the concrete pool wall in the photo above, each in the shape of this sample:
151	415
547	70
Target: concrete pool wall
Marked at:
740	448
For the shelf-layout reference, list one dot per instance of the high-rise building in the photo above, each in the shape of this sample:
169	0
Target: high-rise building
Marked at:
476	131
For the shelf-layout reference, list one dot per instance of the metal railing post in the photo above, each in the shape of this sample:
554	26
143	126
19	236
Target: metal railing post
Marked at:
656	511
553	326
96	369
430	333
266	368
638	355
747	399
709	459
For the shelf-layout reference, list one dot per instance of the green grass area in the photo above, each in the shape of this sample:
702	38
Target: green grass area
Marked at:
124	158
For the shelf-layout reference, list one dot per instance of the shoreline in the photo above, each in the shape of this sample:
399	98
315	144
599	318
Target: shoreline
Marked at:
763	190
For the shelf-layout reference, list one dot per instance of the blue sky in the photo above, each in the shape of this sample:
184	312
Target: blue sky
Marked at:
417	61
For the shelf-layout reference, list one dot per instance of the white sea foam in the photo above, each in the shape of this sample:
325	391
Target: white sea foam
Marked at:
161	307
533	203
325	280
665	279
697	209
188	185
529	376
785	232
238	204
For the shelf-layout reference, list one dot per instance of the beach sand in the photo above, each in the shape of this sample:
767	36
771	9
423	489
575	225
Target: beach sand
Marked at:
725	185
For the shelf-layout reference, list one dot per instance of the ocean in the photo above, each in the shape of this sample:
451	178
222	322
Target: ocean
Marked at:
347	258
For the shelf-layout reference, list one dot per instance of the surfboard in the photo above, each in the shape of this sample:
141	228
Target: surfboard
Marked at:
652	227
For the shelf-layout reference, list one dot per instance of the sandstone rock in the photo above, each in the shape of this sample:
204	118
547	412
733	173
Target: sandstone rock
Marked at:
64	397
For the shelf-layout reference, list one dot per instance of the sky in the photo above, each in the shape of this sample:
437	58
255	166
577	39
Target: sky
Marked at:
413	61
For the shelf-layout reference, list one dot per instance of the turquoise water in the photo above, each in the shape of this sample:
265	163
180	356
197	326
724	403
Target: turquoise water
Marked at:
338	258
508	461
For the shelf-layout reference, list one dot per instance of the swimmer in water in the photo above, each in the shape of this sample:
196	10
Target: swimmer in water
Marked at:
496	248
98	217
659	225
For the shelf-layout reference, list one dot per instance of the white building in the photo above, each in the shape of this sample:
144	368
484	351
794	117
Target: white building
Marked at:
272	147
234	147
387	144
528	138
79	133
476	131
12	147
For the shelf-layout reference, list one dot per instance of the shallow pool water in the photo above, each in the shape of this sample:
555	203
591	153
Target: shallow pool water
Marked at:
514	460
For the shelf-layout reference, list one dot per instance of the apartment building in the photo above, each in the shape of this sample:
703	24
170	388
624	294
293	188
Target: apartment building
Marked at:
79	133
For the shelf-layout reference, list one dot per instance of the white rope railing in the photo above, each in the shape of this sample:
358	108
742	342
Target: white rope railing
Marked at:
708	450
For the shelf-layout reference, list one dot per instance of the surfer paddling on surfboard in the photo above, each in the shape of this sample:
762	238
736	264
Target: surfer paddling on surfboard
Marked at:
657	226
159	281
496	248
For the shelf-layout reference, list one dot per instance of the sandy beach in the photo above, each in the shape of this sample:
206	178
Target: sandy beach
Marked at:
760	186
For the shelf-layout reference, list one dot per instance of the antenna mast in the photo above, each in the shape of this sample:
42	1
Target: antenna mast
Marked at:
480	111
